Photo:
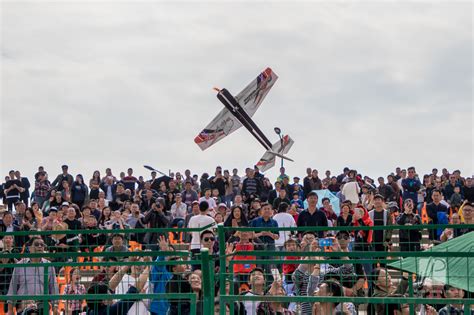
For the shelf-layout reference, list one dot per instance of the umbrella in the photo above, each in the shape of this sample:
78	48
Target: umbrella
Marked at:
455	271
326	193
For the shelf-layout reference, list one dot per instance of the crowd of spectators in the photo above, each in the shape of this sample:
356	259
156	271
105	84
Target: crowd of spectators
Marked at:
117	204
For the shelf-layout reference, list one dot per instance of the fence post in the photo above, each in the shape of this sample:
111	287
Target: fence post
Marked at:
46	289
208	299
222	264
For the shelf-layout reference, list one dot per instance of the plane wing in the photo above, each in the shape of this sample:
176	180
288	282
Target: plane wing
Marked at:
250	99
268	159
252	96
221	126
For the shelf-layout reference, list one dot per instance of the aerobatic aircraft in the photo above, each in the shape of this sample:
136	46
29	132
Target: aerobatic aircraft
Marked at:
238	112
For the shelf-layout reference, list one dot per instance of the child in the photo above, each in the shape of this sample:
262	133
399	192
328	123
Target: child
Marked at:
291	245
456	199
297	200
74	307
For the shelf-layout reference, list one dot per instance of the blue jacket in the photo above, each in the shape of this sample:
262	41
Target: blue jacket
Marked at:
159	277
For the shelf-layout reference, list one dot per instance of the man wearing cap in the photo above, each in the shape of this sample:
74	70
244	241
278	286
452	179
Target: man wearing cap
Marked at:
42	188
380	217
63	176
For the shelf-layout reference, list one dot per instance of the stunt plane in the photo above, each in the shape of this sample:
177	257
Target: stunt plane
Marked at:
238	112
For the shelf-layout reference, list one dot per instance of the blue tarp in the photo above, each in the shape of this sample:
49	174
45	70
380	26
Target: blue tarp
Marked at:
325	193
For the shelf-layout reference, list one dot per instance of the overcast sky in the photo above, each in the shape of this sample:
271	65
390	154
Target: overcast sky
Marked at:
368	85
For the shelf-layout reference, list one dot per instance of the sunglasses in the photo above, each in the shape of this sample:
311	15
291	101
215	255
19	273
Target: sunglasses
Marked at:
207	239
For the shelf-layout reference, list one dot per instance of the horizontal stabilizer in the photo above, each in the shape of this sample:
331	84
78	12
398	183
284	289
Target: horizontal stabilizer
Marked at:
279	149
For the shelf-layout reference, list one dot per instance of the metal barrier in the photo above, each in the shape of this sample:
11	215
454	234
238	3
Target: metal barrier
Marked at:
51	301
273	257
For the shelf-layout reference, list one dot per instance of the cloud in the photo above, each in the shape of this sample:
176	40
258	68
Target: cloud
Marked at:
369	85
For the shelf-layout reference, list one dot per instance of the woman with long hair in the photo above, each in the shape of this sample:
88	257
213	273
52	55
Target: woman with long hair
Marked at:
236	218
105	216
362	238
95	177
409	239
79	191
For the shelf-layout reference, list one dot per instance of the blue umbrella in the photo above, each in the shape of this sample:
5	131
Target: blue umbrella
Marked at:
326	193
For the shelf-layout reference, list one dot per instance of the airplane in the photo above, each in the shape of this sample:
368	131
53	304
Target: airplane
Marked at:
238	112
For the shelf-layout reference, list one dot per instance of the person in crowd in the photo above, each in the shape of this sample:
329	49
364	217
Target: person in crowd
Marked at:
108	306
129	279
283	219
451	292
155	218
281	198
312	216
117	246
411	185
351	188
345	216
42	188
64	176
29	280
199	221
380	217
409	239
79	191
382	286
179	210
74	287
433	209
236	218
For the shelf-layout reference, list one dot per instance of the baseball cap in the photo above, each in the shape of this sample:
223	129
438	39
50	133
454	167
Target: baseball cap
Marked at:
222	205
379	196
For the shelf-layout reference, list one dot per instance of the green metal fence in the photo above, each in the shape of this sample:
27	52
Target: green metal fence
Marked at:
328	257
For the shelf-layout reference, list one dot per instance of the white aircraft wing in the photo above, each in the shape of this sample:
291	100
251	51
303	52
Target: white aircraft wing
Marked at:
253	94
221	126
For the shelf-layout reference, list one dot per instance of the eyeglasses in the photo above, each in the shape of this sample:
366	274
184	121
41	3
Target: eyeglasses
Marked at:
207	239
343	237
38	244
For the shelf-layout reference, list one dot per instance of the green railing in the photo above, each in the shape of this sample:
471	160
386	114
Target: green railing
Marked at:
328	257
204	261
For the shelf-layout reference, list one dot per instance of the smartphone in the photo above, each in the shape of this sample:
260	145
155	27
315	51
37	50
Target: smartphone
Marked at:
325	242
276	274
